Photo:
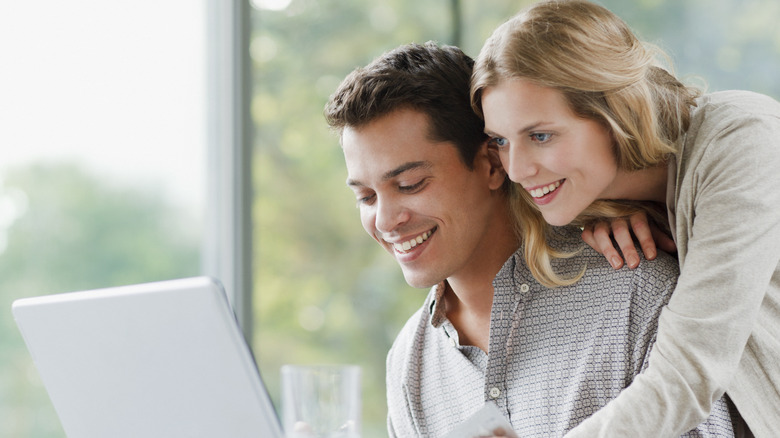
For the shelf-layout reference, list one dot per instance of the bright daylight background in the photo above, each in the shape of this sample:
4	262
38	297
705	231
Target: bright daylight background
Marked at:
102	144
103	113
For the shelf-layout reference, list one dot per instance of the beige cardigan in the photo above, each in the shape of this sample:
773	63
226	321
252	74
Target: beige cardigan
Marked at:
721	329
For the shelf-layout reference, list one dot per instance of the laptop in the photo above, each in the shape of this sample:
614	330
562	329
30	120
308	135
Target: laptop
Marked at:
164	359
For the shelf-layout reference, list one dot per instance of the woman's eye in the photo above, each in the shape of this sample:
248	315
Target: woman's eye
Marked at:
540	137
499	142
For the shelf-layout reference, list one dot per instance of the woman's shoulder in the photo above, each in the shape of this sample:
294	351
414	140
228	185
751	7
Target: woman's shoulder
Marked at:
727	125
734	104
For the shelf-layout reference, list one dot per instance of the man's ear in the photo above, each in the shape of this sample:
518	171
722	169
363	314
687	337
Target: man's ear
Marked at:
497	172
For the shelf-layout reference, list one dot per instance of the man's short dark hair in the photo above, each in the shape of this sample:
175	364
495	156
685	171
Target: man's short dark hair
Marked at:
426	77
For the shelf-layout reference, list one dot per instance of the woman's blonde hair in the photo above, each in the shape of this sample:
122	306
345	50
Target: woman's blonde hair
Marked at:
607	75
533	231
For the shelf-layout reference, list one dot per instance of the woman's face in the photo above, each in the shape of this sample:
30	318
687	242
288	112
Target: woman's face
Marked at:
564	161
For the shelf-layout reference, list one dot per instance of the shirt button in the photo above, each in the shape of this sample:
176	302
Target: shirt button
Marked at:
494	392
524	287
453	343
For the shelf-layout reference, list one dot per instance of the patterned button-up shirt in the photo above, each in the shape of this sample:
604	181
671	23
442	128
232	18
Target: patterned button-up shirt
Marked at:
555	355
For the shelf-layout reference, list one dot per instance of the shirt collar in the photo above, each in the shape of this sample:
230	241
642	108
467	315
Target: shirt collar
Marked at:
438	310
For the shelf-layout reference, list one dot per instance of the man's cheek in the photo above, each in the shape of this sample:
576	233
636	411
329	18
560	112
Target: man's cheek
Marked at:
368	224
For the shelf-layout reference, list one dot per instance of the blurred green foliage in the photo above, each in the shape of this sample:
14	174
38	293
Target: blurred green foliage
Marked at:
71	231
325	291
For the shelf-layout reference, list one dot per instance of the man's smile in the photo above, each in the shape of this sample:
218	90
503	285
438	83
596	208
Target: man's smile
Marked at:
403	247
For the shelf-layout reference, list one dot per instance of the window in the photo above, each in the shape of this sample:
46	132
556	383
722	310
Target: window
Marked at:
117	166
102	162
324	291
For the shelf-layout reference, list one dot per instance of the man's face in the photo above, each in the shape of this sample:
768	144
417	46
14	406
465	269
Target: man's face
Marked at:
418	199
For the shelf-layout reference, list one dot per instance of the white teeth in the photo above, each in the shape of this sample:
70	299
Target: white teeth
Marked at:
409	244
538	193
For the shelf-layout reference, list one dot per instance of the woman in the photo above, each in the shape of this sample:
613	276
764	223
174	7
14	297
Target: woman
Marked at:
580	111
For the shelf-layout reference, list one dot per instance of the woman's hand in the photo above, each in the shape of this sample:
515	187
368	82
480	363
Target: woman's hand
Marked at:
598	236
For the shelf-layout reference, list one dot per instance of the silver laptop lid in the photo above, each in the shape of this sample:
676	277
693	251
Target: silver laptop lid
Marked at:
164	359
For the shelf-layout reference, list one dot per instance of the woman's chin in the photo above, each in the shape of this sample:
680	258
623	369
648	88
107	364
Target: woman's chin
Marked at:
557	220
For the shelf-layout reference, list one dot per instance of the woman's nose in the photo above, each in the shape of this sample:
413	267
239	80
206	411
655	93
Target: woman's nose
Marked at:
519	165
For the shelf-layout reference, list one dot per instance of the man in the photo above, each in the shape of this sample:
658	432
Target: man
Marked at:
432	192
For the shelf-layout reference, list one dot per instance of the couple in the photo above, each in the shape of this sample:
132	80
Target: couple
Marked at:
519	312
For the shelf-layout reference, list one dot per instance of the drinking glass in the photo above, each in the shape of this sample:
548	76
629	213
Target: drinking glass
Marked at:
321	401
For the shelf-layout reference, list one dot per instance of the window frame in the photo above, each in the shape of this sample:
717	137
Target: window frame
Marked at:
227	252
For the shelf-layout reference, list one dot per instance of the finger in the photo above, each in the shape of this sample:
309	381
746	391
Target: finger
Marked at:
663	241
644	234
603	241
587	236
501	432
625	241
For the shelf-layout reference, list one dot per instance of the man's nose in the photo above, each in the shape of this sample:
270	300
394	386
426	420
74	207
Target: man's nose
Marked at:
390	214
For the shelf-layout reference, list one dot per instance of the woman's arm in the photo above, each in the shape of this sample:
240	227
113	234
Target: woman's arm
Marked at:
728	236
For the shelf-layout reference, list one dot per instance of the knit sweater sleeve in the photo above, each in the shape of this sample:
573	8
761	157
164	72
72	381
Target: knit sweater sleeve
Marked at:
727	194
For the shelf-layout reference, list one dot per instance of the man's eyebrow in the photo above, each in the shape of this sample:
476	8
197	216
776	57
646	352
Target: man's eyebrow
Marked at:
411	165
406	167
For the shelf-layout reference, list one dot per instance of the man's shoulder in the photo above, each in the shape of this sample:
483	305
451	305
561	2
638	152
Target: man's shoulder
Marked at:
412	326
647	287
569	239
639	292
410	334
656	275
663	268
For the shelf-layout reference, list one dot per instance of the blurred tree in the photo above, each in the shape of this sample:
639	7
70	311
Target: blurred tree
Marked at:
325	292
76	232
